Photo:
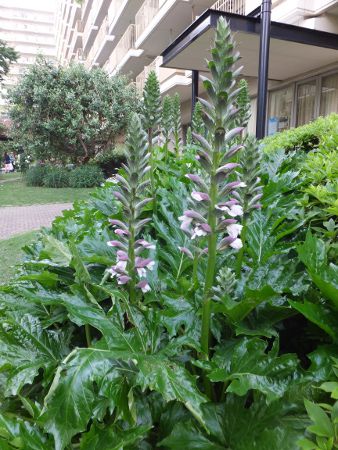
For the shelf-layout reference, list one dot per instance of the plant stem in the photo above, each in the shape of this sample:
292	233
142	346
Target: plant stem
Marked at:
88	335
194	271
131	263
240	254
212	247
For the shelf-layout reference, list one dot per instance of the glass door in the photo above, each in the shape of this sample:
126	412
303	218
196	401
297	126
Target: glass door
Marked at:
306	102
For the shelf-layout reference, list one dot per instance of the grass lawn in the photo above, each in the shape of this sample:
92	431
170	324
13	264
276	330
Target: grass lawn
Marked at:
11	254
14	192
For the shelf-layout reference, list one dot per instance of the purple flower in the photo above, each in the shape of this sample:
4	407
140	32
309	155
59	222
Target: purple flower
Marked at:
144	286
234	230
200	196
145	244
194	215
116	244
121	232
185	225
186	251
201	229
118	223
124	279
142	264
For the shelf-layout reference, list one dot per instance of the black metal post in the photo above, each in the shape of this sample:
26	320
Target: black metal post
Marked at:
194	90
263	70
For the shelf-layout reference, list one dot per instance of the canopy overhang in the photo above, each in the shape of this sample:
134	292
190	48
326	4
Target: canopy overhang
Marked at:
293	50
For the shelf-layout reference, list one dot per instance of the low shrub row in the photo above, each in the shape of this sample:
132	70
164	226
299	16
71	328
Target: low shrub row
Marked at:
60	177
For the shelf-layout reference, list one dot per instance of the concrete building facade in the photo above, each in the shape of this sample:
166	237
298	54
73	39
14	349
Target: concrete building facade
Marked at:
128	37
29	27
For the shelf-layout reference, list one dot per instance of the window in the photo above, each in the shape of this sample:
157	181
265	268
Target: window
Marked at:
329	95
306	102
280	110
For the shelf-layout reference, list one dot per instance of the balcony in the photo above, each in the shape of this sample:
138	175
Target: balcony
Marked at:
168	78
230	6
125	58
159	21
103	44
120	15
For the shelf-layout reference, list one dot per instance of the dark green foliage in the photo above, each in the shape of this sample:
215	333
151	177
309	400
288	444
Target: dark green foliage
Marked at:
86	176
56	177
306	137
34	175
7	56
110	161
56	116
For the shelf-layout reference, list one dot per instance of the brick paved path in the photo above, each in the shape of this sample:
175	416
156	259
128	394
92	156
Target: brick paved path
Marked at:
20	219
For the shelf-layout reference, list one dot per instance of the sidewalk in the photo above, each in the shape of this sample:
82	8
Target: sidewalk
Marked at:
20	219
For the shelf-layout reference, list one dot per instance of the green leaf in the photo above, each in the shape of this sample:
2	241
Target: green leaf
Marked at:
56	251
72	397
322	424
187	436
313	254
25	348
112	438
172	381
250	367
306	444
15	433
319	315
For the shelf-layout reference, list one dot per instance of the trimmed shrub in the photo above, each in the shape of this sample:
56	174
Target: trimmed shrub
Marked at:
306	137
56	177
86	176
34	176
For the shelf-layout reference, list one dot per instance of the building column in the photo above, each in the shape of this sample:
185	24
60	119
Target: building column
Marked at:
263	70
194	90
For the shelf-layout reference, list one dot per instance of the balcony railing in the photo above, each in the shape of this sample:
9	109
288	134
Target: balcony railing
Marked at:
231	6
145	15
113	10
100	37
126	43
163	73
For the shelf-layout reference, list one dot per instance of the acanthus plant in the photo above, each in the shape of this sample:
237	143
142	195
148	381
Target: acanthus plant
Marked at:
217	210
109	364
131	267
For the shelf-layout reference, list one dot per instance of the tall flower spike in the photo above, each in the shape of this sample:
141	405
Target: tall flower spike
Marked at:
131	267
250	160
197	123
167	122
243	103
177	123
216	208
152	117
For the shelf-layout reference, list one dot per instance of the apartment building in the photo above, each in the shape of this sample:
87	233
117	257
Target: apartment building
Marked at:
129	36
29	27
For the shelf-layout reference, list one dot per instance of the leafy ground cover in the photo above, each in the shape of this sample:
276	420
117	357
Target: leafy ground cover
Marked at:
11	253
206	319
16	193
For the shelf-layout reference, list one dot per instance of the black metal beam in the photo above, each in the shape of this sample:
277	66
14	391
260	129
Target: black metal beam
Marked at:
263	69
281	31
194	90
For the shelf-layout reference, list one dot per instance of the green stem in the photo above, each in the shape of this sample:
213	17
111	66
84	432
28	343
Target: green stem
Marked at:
152	167
180	267
88	335
240	254
194	271
212	250
131	264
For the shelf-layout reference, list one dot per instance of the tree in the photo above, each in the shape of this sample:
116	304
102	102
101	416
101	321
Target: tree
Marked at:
7	56
70	113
